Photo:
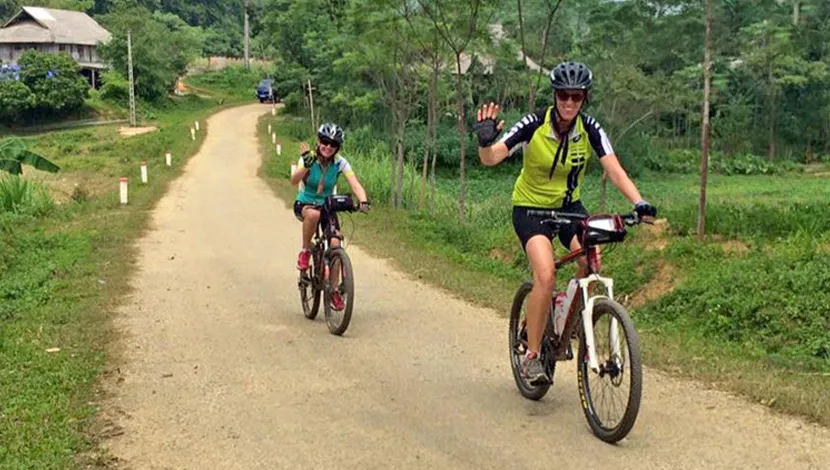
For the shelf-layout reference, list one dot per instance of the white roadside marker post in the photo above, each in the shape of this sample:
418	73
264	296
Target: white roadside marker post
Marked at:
123	190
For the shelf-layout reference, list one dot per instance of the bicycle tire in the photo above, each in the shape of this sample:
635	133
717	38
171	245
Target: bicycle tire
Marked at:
310	291
531	392
620	430
337	326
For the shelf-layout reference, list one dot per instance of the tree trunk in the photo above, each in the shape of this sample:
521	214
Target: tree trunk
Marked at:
392	183
411	189
432	183
533	88
524	48
462	138
795	11
604	194
400	138
422	190
247	37
771	92
394	179
433	143
433	87
771	154
704	138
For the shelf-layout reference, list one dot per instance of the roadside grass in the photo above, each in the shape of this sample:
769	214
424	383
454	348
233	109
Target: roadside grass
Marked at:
744	310
63	272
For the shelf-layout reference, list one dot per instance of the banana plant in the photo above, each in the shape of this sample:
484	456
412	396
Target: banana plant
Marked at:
14	154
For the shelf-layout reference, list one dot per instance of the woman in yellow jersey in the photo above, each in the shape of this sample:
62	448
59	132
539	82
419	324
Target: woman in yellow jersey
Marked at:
558	142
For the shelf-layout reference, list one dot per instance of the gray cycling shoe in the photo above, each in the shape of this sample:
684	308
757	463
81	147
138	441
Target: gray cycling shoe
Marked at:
534	372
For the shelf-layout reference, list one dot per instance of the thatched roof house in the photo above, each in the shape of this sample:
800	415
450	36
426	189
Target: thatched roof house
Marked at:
50	30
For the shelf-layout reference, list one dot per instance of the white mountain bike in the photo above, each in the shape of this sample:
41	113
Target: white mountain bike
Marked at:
609	369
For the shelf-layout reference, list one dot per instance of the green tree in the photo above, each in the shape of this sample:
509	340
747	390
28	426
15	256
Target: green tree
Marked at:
775	65
55	81
459	24
163	45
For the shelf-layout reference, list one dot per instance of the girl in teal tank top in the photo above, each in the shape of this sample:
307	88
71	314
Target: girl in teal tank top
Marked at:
319	171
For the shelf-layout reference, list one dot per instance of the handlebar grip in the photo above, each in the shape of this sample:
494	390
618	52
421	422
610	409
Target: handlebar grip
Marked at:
541	213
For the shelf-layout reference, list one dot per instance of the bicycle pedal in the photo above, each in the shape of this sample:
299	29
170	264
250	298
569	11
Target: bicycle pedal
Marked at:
565	355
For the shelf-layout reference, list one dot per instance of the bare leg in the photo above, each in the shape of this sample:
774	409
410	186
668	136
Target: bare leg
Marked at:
540	253
311	216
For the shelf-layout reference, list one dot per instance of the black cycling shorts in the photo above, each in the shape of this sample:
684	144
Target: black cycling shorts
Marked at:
527	227
324	216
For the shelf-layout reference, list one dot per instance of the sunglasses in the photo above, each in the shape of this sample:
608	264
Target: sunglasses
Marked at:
330	143
576	96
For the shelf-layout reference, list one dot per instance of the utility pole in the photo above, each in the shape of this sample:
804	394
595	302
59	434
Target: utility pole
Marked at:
247	37
705	131
311	101
132	82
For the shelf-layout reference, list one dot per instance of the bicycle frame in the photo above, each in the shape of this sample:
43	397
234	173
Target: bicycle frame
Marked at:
321	241
593	263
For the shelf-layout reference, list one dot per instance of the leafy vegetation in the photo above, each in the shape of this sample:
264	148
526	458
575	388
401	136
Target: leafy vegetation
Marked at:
24	197
163	45
14	153
50	84
217	23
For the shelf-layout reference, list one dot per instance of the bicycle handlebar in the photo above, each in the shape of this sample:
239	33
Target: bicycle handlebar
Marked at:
565	218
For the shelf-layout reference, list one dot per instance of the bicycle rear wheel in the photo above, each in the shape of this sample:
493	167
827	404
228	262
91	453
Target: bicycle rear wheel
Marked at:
309	284
340	268
518	346
611	398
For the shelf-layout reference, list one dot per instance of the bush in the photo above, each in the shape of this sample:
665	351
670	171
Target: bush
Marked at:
771	299
15	100
20	196
687	161
115	87
234	78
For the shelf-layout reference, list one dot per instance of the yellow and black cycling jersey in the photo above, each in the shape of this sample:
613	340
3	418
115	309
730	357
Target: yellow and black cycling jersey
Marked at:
553	169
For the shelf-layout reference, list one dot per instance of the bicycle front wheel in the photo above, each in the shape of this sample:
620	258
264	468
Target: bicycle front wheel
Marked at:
611	397
340	282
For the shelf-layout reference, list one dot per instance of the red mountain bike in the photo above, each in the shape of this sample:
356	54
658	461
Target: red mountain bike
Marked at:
609	368
330	270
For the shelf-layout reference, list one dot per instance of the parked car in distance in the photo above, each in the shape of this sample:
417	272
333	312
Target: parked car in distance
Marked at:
265	91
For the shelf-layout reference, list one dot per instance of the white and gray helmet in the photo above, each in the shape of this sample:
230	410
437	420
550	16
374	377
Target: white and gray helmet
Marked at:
331	131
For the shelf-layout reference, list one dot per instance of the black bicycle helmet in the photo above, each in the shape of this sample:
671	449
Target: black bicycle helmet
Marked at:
331	131
571	76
